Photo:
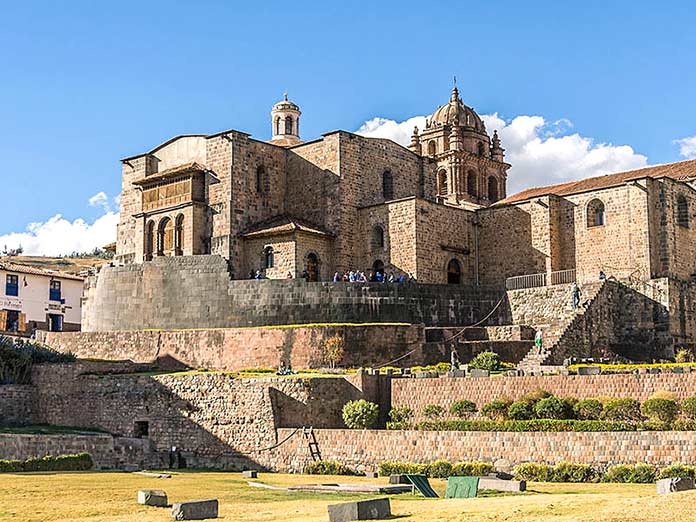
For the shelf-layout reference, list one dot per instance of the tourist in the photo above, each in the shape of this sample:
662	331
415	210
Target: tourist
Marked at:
351	276
575	293
539	339
363	277
305	275
454	360
336	277
252	274
258	275
391	277
346	278
289	275
602	275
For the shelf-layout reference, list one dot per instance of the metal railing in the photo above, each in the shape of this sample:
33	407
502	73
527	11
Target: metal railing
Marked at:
561	277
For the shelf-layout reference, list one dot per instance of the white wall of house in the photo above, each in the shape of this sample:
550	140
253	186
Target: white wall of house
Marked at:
33	300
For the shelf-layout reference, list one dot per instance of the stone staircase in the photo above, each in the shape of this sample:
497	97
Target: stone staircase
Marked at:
557	319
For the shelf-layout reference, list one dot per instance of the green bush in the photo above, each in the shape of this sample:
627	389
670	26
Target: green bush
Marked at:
638	474
433	411
77	462
551	408
677	470
588	409
401	415
360	414
627	410
535	396
520	410
568	472
496	410
644	474
388	468
463	408
532	472
439	469
549	425
17	358
327	467
486	361
472	469
688	408
661	410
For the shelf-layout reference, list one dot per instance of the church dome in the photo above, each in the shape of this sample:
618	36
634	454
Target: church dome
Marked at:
456	113
286	105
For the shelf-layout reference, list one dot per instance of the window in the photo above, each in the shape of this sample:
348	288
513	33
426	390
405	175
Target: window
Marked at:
595	213
149	241
481	149
454	272
387	185
268	260
442	182
471	183
141	430
260	179
12	285
682	212
54	292
165	237
492	189
312	270
377	237
432	148
277	126
288	125
179	236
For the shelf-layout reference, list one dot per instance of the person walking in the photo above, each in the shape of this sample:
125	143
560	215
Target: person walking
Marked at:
575	293
539	339
454	360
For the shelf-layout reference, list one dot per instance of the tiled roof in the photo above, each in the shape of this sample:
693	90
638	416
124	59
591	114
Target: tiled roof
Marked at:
283	224
171	173
682	171
32	270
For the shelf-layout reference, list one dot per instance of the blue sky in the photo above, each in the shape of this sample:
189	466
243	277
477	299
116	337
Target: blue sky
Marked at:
87	83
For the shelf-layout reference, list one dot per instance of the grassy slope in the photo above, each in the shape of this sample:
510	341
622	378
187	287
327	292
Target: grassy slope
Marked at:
64	264
102	497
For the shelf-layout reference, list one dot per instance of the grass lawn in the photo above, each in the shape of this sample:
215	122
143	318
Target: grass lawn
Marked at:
105	496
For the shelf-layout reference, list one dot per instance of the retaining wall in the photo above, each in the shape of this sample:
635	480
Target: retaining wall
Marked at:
17	404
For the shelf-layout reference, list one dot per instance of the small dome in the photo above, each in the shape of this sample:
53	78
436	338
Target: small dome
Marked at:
456	113
286	105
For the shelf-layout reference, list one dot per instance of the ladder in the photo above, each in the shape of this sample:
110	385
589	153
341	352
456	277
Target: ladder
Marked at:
312	444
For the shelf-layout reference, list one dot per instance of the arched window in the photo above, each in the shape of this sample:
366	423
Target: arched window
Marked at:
493	189
377	237
260	179
432	148
179	236
387	185
454	272
471	183
277	125
165	237
149	240
268	261
595	213
481	149
682	211
288	125
442	182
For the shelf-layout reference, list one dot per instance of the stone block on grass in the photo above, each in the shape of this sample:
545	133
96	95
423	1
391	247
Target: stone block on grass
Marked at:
477	372
497	484
250	474
195	510
673	485
398	478
152	497
589	370
374	509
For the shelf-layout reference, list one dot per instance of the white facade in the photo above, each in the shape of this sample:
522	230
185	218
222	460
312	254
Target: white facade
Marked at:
31	298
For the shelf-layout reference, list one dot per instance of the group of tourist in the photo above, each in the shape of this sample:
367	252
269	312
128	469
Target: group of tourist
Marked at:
357	276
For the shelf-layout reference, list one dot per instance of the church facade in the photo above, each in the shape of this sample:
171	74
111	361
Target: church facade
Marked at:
438	210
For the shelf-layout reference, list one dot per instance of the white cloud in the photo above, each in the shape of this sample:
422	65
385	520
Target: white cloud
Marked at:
59	236
541	152
687	147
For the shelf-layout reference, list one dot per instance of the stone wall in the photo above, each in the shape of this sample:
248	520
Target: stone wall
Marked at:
365	449
417	393
24	446
236	349
17	404
196	292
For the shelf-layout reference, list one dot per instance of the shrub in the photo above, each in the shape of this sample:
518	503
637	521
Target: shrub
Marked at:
360	414
688	408
660	410
77	462
535	396
622	410
567	472
552	408
486	361
400	418
472	469
333	350
389	467
433	411
533	472
676	471
496	410
327	467
588	409
520	410
547	425
684	355
644	474
463	408
619	473
439	469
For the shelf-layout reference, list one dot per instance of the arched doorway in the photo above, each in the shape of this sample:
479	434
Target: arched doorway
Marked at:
179	236
312	267
149	241
378	268
165	237
454	272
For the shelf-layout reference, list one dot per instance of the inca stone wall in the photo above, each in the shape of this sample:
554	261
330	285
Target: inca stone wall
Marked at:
17	404
195	292
365	449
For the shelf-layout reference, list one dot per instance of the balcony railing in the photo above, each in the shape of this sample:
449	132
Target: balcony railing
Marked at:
562	277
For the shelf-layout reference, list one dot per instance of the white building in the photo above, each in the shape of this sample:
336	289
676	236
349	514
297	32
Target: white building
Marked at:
33	298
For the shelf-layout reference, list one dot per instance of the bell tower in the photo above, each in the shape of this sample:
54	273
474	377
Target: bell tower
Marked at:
285	123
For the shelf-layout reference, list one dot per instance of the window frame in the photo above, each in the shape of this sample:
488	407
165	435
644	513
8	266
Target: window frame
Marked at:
594	222
55	288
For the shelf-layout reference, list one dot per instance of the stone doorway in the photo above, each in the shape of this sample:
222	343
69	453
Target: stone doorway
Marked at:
313	267
454	272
